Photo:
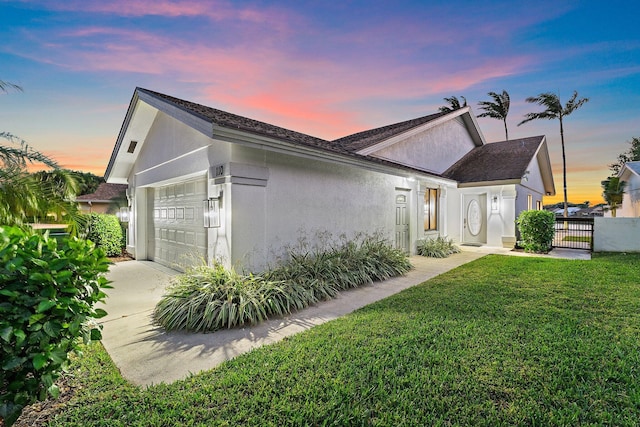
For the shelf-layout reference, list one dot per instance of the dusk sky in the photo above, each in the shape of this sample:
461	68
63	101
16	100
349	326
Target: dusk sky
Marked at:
327	69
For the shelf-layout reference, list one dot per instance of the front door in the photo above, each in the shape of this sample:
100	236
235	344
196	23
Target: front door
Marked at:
475	219
402	221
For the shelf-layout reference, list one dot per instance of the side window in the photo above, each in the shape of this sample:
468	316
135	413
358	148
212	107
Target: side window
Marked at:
431	209
529	202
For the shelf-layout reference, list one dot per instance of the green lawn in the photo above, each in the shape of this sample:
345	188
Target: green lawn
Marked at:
585	239
500	341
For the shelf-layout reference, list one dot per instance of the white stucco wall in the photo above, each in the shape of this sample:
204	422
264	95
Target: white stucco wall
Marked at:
435	149
500	222
306	196
631	200
616	235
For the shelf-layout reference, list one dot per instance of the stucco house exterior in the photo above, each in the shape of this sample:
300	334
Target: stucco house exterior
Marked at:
630	173
204	183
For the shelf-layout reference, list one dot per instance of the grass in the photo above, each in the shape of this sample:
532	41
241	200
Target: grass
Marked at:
499	341
586	239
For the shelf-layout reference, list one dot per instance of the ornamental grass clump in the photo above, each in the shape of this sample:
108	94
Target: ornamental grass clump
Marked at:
440	247
208	298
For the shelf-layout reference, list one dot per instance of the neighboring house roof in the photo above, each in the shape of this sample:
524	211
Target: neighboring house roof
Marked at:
502	161
632	167
105	193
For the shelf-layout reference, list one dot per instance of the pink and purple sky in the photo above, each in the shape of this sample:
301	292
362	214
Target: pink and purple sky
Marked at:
327	69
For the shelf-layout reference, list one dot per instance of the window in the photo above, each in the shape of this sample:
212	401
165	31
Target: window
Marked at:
539	205
529	202
431	209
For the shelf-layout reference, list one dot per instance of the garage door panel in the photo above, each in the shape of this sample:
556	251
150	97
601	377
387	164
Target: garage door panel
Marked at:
179	235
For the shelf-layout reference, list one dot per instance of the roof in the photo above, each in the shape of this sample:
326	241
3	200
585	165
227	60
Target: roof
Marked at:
217	121
104	193
497	161
234	121
367	138
633	167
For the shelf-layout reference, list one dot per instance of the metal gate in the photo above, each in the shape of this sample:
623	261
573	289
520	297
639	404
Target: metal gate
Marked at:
573	233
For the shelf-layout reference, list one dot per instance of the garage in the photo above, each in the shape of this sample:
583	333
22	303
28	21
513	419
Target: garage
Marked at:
176	236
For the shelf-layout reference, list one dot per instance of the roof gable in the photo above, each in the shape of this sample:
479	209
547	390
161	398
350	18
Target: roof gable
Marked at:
505	161
632	167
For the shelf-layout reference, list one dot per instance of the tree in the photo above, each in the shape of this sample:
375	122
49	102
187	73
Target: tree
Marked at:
25	197
497	109
631	155
555	110
613	191
454	104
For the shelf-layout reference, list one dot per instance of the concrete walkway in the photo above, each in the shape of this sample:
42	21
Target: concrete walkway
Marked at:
146	355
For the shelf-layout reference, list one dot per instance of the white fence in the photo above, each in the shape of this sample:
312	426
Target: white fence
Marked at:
616	235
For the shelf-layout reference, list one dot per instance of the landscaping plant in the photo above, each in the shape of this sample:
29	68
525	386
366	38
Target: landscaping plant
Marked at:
106	232
537	229
440	247
208	298
500	341
47	296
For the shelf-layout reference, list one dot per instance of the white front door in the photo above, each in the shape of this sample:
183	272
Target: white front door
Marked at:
474	219
402	221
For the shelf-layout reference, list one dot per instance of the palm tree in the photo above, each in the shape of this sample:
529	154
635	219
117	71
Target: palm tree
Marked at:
497	109
26	197
6	85
454	104
613	190
555	110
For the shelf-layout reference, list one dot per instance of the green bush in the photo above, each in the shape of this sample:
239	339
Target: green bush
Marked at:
210	298
440	247
47	295
537	229
105	231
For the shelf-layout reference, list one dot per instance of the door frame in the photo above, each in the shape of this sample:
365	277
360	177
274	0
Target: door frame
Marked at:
481	199
405	214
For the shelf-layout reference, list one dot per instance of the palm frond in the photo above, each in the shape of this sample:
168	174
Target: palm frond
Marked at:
4	86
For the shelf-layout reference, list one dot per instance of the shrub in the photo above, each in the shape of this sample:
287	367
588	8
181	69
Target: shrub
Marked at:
440	247
210	298
106	232
47	295
537	229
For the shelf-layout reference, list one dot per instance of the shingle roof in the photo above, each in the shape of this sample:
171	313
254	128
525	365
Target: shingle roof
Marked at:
104	193
345	146
497	161
234	121
367	138
634	166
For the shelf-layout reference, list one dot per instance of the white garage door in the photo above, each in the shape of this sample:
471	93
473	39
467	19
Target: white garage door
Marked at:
178	237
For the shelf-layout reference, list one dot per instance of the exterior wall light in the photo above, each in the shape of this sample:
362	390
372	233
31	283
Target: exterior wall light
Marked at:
212	212
495	207
123	214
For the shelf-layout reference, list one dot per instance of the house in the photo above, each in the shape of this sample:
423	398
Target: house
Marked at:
107	198
207	184
630	173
